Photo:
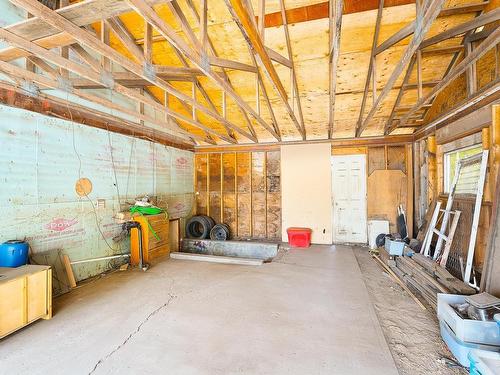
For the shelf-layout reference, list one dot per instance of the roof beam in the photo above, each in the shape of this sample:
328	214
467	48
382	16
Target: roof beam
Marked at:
407	30
471	58
483	19
152	17
424	22
116	25
55	83
371	65
81	14
231	65
102	79
210	48
483	97
335	28
53	18
247	25
295	87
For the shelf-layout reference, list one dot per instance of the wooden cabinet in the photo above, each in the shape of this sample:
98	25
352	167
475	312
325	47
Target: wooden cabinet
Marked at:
153	246
25	296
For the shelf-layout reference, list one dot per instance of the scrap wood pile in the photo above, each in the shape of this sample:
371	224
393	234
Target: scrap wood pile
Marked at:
427	277
440	259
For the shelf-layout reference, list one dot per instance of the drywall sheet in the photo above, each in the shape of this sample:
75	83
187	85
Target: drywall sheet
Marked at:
307	190
43	158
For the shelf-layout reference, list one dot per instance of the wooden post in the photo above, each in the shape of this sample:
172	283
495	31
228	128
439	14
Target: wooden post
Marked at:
432	190
495	144
485	137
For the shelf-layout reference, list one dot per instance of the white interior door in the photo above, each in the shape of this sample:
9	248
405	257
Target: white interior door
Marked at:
349	198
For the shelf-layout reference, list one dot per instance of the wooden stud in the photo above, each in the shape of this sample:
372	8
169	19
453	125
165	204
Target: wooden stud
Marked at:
371	67
335	28
246	23
425	23
477	53
69	271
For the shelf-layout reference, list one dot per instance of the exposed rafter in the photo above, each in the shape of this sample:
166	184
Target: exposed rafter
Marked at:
141	7
246	23
335	27
371	66
424	22
492	40
143	71
410	28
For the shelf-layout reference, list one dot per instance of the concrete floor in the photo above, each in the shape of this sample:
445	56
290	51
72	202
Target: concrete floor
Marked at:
306	313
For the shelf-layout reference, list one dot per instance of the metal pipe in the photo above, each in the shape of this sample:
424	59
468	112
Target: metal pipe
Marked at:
98	259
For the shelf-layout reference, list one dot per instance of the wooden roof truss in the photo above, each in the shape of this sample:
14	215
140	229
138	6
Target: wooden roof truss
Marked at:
199	119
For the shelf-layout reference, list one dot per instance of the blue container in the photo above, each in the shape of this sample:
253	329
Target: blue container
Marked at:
13	253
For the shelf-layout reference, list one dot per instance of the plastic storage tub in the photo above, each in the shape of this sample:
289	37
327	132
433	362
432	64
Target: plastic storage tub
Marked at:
13	253
484	363
467	330
394	247
299	237
462	349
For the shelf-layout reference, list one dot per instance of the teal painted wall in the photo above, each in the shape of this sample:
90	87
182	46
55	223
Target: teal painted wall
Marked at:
41	159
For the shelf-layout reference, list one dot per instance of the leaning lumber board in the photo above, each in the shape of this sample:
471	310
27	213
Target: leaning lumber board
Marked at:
408	262
397	279
216	259
443	276
411	283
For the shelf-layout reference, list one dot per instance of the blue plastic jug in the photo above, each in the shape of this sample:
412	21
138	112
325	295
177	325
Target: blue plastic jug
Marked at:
13	253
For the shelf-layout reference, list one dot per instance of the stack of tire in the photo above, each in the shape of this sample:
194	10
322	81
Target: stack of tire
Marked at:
201	227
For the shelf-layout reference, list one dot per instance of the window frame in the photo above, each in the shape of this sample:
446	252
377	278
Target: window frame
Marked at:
446	163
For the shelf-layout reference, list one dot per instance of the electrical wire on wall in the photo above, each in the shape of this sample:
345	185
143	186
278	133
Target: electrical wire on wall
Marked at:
80	176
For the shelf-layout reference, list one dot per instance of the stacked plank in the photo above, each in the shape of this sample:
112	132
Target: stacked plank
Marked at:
427	277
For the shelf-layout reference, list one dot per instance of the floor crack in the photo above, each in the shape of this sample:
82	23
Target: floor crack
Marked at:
133	333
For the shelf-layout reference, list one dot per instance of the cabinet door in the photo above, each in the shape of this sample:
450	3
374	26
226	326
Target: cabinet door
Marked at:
12	306
37	295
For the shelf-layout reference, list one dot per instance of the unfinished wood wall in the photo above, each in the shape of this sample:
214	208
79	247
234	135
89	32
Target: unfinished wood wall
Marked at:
241	189
389	180
428	188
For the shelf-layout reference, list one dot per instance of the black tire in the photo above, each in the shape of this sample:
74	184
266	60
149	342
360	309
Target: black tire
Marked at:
219	232
198	228
212	221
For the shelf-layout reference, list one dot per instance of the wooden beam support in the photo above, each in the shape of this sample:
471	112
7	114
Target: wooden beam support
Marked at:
371	69
410	28
483	19
390	125
97	78
87	39
120	30
423	24
442	50
483	97
246	23
160	130
81	14
231	65
460	68
152	17
335	28
295	87
278	57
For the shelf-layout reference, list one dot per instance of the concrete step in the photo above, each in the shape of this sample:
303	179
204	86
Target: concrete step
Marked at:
216	259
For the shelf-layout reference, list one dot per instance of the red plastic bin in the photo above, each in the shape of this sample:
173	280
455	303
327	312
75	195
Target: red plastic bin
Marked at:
299	237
